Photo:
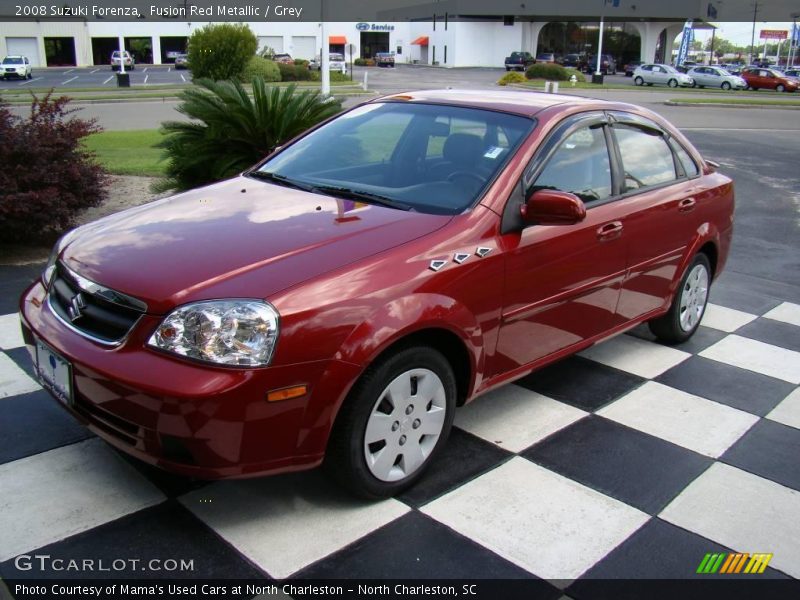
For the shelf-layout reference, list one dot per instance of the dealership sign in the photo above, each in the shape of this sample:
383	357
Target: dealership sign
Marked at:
374	27
774	34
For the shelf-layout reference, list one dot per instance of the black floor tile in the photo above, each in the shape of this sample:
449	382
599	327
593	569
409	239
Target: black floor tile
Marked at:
581	382
417	547
729	292
34	423
726	384
464	457
702	338
631	466
770	450
658	551
13	281
772	332
167	531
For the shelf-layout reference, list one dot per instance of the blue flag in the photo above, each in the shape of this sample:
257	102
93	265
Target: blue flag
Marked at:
686	42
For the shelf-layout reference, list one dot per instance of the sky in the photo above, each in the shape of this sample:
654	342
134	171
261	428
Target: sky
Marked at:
740	33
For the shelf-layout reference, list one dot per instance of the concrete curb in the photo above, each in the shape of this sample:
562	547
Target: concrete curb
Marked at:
729	105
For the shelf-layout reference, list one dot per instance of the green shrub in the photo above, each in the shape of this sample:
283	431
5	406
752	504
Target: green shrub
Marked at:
580	77
261	67
511	77
336	76
360	62
547	71
47	175
229	131
294	72
301	62
221	51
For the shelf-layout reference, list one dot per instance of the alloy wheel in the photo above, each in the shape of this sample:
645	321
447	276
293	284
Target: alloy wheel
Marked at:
693	297
404	425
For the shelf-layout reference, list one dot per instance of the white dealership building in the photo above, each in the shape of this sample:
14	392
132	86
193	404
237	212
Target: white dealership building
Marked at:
449	33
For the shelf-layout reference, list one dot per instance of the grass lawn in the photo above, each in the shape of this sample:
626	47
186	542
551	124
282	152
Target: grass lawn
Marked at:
128	152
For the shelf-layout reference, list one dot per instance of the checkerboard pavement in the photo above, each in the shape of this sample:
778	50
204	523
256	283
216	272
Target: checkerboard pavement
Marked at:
629	460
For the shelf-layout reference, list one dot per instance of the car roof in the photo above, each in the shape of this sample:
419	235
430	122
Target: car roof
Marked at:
522	103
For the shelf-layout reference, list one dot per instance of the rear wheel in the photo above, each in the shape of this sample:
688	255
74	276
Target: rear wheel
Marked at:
393	423
688	305
638	81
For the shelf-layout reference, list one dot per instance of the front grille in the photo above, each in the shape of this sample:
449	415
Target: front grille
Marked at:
92	310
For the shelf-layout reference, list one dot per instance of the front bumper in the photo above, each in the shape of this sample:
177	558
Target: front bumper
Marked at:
194	419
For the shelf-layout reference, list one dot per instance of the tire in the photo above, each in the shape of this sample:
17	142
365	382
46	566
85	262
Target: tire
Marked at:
688	305
780	88
388	464
638	81
673	83
726	86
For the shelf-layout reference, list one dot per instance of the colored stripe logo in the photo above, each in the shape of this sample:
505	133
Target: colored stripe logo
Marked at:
733	562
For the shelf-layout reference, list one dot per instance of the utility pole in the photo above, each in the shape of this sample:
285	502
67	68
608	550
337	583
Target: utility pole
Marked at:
753	36
325	73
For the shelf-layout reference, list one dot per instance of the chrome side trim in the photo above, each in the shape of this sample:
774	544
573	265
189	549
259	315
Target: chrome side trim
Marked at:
83	334
113	296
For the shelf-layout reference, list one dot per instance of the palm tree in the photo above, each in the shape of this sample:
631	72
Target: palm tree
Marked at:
230	131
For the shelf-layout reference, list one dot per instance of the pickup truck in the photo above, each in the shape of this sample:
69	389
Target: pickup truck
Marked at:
519	61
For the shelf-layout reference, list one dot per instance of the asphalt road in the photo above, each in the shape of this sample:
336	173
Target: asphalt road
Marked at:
98	77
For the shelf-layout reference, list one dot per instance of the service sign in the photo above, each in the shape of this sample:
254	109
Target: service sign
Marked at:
774	34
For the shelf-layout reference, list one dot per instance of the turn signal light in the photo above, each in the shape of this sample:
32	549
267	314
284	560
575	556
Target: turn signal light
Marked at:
287	393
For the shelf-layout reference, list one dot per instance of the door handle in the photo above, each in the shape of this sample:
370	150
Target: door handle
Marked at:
609	231
687	204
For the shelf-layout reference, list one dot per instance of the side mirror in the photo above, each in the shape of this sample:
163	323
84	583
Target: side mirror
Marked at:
552	207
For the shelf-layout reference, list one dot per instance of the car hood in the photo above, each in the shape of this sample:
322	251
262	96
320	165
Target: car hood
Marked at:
237	238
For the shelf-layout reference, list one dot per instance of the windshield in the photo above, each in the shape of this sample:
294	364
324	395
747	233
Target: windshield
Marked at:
425	157
337	57
669	69
12	61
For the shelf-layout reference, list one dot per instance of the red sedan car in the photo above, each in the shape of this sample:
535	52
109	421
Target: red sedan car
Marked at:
769	79
337	302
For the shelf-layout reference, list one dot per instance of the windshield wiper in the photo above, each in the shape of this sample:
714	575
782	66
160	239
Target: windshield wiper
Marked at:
367	197
282	180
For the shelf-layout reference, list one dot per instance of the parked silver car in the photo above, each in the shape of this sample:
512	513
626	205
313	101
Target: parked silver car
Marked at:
336	62
661	74
716	77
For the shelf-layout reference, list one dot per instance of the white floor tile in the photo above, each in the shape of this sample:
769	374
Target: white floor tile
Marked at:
788	411
701	425
786	312
725	319
515	418
283	524
50	496
10	332
547	524
13	380
636	356
744	512
756	356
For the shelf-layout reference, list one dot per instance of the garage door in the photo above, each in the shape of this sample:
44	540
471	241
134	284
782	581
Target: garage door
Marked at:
25	47
270	41
304	46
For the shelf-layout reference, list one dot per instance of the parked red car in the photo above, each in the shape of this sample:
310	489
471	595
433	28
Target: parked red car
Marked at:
768	79
336	307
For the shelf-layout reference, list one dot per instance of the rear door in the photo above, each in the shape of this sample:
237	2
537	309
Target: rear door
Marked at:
658	194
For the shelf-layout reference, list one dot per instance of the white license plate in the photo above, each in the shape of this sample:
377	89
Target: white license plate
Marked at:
54	371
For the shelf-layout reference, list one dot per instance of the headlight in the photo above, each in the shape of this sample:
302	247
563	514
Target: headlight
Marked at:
50	267
229	332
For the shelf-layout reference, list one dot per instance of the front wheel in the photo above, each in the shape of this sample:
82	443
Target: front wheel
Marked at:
393	423
688	304
673	83
638	81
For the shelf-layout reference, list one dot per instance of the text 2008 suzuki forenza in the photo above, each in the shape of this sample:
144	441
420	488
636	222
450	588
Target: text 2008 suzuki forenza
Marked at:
337	302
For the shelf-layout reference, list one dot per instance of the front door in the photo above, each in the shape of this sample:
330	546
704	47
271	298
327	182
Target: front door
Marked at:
563	281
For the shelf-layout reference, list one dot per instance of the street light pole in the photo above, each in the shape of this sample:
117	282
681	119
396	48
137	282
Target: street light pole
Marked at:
324	59
600	49
753	35
121	54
